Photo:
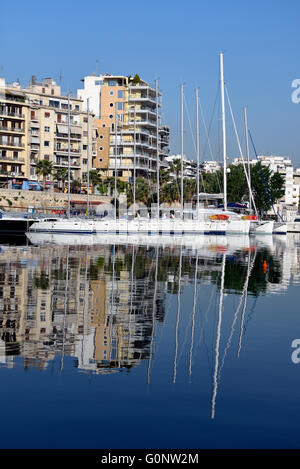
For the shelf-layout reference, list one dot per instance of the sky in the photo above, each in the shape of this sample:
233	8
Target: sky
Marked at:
175	42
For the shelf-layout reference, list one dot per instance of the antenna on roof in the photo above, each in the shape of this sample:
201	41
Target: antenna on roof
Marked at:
60	77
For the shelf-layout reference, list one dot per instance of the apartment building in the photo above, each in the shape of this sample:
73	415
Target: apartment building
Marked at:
13	134
34	126
130	136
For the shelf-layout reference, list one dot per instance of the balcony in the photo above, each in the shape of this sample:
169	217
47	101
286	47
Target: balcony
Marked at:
11	159
11	144
65	164
144	99
12	130
11	174
64	151
146	123
16	115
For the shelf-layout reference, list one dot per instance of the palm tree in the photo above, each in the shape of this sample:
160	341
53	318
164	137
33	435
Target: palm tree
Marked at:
95	178
143	191
44	168
61	174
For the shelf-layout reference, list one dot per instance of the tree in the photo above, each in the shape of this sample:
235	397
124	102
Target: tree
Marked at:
62	175
94	178
143	191
44	168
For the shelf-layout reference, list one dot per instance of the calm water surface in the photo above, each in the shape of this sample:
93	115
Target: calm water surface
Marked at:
183	344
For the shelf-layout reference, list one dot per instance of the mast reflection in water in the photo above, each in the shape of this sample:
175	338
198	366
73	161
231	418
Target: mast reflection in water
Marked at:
164	308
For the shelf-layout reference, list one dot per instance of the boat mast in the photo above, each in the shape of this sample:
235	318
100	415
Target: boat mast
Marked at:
223	132
197	148
181	192
247	154
69	155
157	150
116	150
88	158
134	160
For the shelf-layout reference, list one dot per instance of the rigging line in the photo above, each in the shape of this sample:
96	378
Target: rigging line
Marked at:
211	119
190	124
208	141
244	292
217	347
177	317
193	316
240	150
262	174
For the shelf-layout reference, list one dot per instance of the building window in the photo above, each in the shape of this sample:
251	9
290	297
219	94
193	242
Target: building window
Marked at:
85	161
47	129
120	94
103	125
53	103
120	106
97	82
47	114
101	136
100	148
46	143
47	157
111	93
100	160
52	91
84	147
76	107
111	116
43	90
85	119
16	154
111	104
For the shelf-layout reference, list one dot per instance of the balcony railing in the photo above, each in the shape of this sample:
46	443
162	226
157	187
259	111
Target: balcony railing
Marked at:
11	129
12	159
4	112
73	152
9	143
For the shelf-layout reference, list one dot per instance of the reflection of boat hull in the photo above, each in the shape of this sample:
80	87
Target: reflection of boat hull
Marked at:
262	227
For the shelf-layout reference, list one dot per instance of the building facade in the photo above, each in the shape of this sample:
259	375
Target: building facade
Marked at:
130	135
34	126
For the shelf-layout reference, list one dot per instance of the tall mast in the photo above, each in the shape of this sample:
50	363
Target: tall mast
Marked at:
223	132
88	158
181	191
116	150
134	160
157	150
197	148
247	154
69	156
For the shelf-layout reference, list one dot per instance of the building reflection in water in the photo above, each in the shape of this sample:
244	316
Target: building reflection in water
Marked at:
101	304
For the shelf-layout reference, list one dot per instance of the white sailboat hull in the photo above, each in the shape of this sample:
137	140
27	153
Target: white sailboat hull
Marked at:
262	227
280	228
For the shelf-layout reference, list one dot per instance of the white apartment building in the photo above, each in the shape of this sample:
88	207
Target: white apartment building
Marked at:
91	90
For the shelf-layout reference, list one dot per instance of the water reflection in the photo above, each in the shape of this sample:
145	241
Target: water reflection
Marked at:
101	304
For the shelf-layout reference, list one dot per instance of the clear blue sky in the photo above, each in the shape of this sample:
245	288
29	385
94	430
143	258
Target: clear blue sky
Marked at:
174	41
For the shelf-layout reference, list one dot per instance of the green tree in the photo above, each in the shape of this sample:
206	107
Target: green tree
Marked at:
94	178
143	191
44	168
62	175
